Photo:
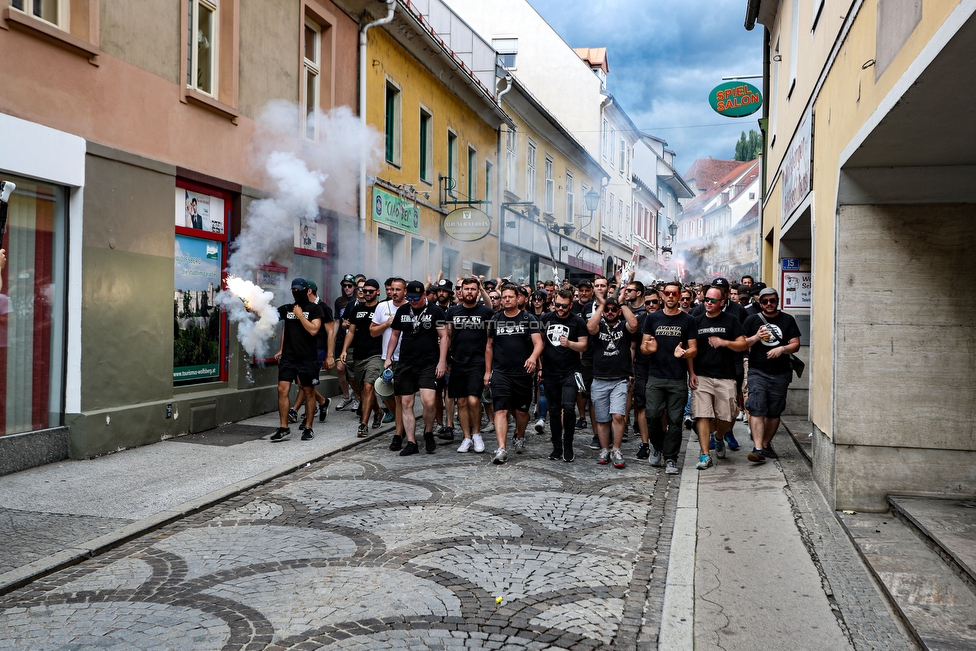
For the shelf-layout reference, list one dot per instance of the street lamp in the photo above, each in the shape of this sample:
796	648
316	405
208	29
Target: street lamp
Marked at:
592	201
672	232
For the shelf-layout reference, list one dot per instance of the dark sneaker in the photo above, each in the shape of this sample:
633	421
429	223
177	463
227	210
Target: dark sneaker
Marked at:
519	445
408	449
711	442
555	456
281	434
446	434
308	434
581	423
643	451
617	459
731	442
689	424
656	458
324	409
362	431
377	420
756	456
769	452
671	467
292	416
397	443
429	443
568	456
595	443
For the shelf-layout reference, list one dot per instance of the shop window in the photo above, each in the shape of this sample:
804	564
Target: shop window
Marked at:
200	326
32	308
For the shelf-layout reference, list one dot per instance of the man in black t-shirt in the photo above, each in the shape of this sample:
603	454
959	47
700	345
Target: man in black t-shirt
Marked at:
611	328
369	363
669	341
346	299
423	359
298	356
714	403
468	328
772	336
652	303
514	347
324	341
564	337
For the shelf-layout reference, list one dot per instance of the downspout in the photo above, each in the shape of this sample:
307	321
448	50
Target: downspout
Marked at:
498	181
508	87
391	9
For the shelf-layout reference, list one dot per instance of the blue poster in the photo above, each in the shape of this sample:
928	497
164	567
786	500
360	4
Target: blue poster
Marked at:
196	281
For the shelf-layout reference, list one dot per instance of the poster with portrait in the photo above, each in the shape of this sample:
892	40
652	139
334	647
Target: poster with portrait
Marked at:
197	320
797	290
311	237
201	212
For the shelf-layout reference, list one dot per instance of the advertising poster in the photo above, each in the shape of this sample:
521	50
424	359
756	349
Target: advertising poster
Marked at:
196	345
797	290
311	237
199	211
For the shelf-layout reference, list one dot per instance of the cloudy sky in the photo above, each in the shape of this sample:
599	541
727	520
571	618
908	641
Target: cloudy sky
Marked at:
665	56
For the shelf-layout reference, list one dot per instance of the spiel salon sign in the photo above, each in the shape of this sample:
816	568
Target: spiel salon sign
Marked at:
735	99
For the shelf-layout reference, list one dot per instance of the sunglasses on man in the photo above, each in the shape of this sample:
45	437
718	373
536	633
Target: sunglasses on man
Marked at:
652	301
768	301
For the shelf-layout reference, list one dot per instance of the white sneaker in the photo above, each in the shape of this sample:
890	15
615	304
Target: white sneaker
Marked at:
465	445
519	445
540	426
343	403
500	456
655	458
354	405
479	443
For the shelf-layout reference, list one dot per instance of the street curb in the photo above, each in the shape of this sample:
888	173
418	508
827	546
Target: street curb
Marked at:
25	574
678	617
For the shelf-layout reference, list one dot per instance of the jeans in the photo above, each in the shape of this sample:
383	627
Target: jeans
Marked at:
669	396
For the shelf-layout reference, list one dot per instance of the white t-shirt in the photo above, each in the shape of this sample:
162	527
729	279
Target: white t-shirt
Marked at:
383	312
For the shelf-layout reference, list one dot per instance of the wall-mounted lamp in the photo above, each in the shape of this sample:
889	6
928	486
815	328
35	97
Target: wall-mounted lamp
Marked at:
777	57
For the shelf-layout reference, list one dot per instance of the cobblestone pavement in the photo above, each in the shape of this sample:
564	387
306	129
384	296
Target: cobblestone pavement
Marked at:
370	550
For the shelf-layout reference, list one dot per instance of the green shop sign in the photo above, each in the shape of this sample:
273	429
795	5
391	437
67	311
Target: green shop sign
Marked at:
395	211
735	99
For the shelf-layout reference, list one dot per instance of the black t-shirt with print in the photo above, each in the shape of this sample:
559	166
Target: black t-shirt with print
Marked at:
299	345
782	328
559	360
322	338
511	341
669	331
363	343
711	362
469	333
611	351
418	333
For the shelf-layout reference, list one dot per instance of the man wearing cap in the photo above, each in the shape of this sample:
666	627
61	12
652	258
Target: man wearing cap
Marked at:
772	336
298	356
669	341
422	327
714	403
514	347
613	365
369	362
468	328
382	320
346	298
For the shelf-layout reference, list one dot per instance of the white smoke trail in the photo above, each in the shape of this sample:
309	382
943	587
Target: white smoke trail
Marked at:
243	295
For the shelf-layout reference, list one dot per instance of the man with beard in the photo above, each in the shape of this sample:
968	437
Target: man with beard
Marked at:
514	347
445	299
669	341
652	303
423	359
467	325
772	336
298	356
369	362
713	394
612	367
564	338
382	320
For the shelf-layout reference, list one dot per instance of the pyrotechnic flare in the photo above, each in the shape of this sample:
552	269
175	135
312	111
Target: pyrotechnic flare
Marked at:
242	299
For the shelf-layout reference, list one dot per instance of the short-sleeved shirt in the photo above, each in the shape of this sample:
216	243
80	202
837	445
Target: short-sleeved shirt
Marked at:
782	328
322	338
340	313
418	333
669	331
469	333
299	345
383	312
711	362
640	359
556	358
365	344
511	341
611	351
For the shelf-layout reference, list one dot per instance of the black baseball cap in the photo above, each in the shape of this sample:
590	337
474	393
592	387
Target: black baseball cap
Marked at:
299	284
721	283
585	283
372	282
489	284
415	288
446	284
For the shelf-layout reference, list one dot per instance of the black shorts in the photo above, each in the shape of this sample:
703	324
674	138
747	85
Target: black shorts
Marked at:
511	391
767	394
466	380
587	372
560	390
410	378
305	371
639	400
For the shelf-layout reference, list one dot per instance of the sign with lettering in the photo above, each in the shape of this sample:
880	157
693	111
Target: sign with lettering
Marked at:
467	224
735	99
796	169
797	290
395	211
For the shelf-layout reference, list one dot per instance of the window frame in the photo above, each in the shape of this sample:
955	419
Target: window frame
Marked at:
193	66
502	54
426	145
311	68
531	154
392	124
550	189
570	198
511	161
63	8
489	169
452	162
472	173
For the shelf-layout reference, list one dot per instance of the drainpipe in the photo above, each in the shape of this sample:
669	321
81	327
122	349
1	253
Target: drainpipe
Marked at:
508	87
390	10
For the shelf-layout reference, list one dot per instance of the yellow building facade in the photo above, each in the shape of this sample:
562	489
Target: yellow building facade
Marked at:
441	134
869	155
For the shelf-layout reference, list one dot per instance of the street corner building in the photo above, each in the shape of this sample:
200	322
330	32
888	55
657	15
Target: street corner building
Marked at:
867	227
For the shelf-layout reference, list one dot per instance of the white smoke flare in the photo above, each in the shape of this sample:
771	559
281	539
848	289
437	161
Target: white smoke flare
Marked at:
254	334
